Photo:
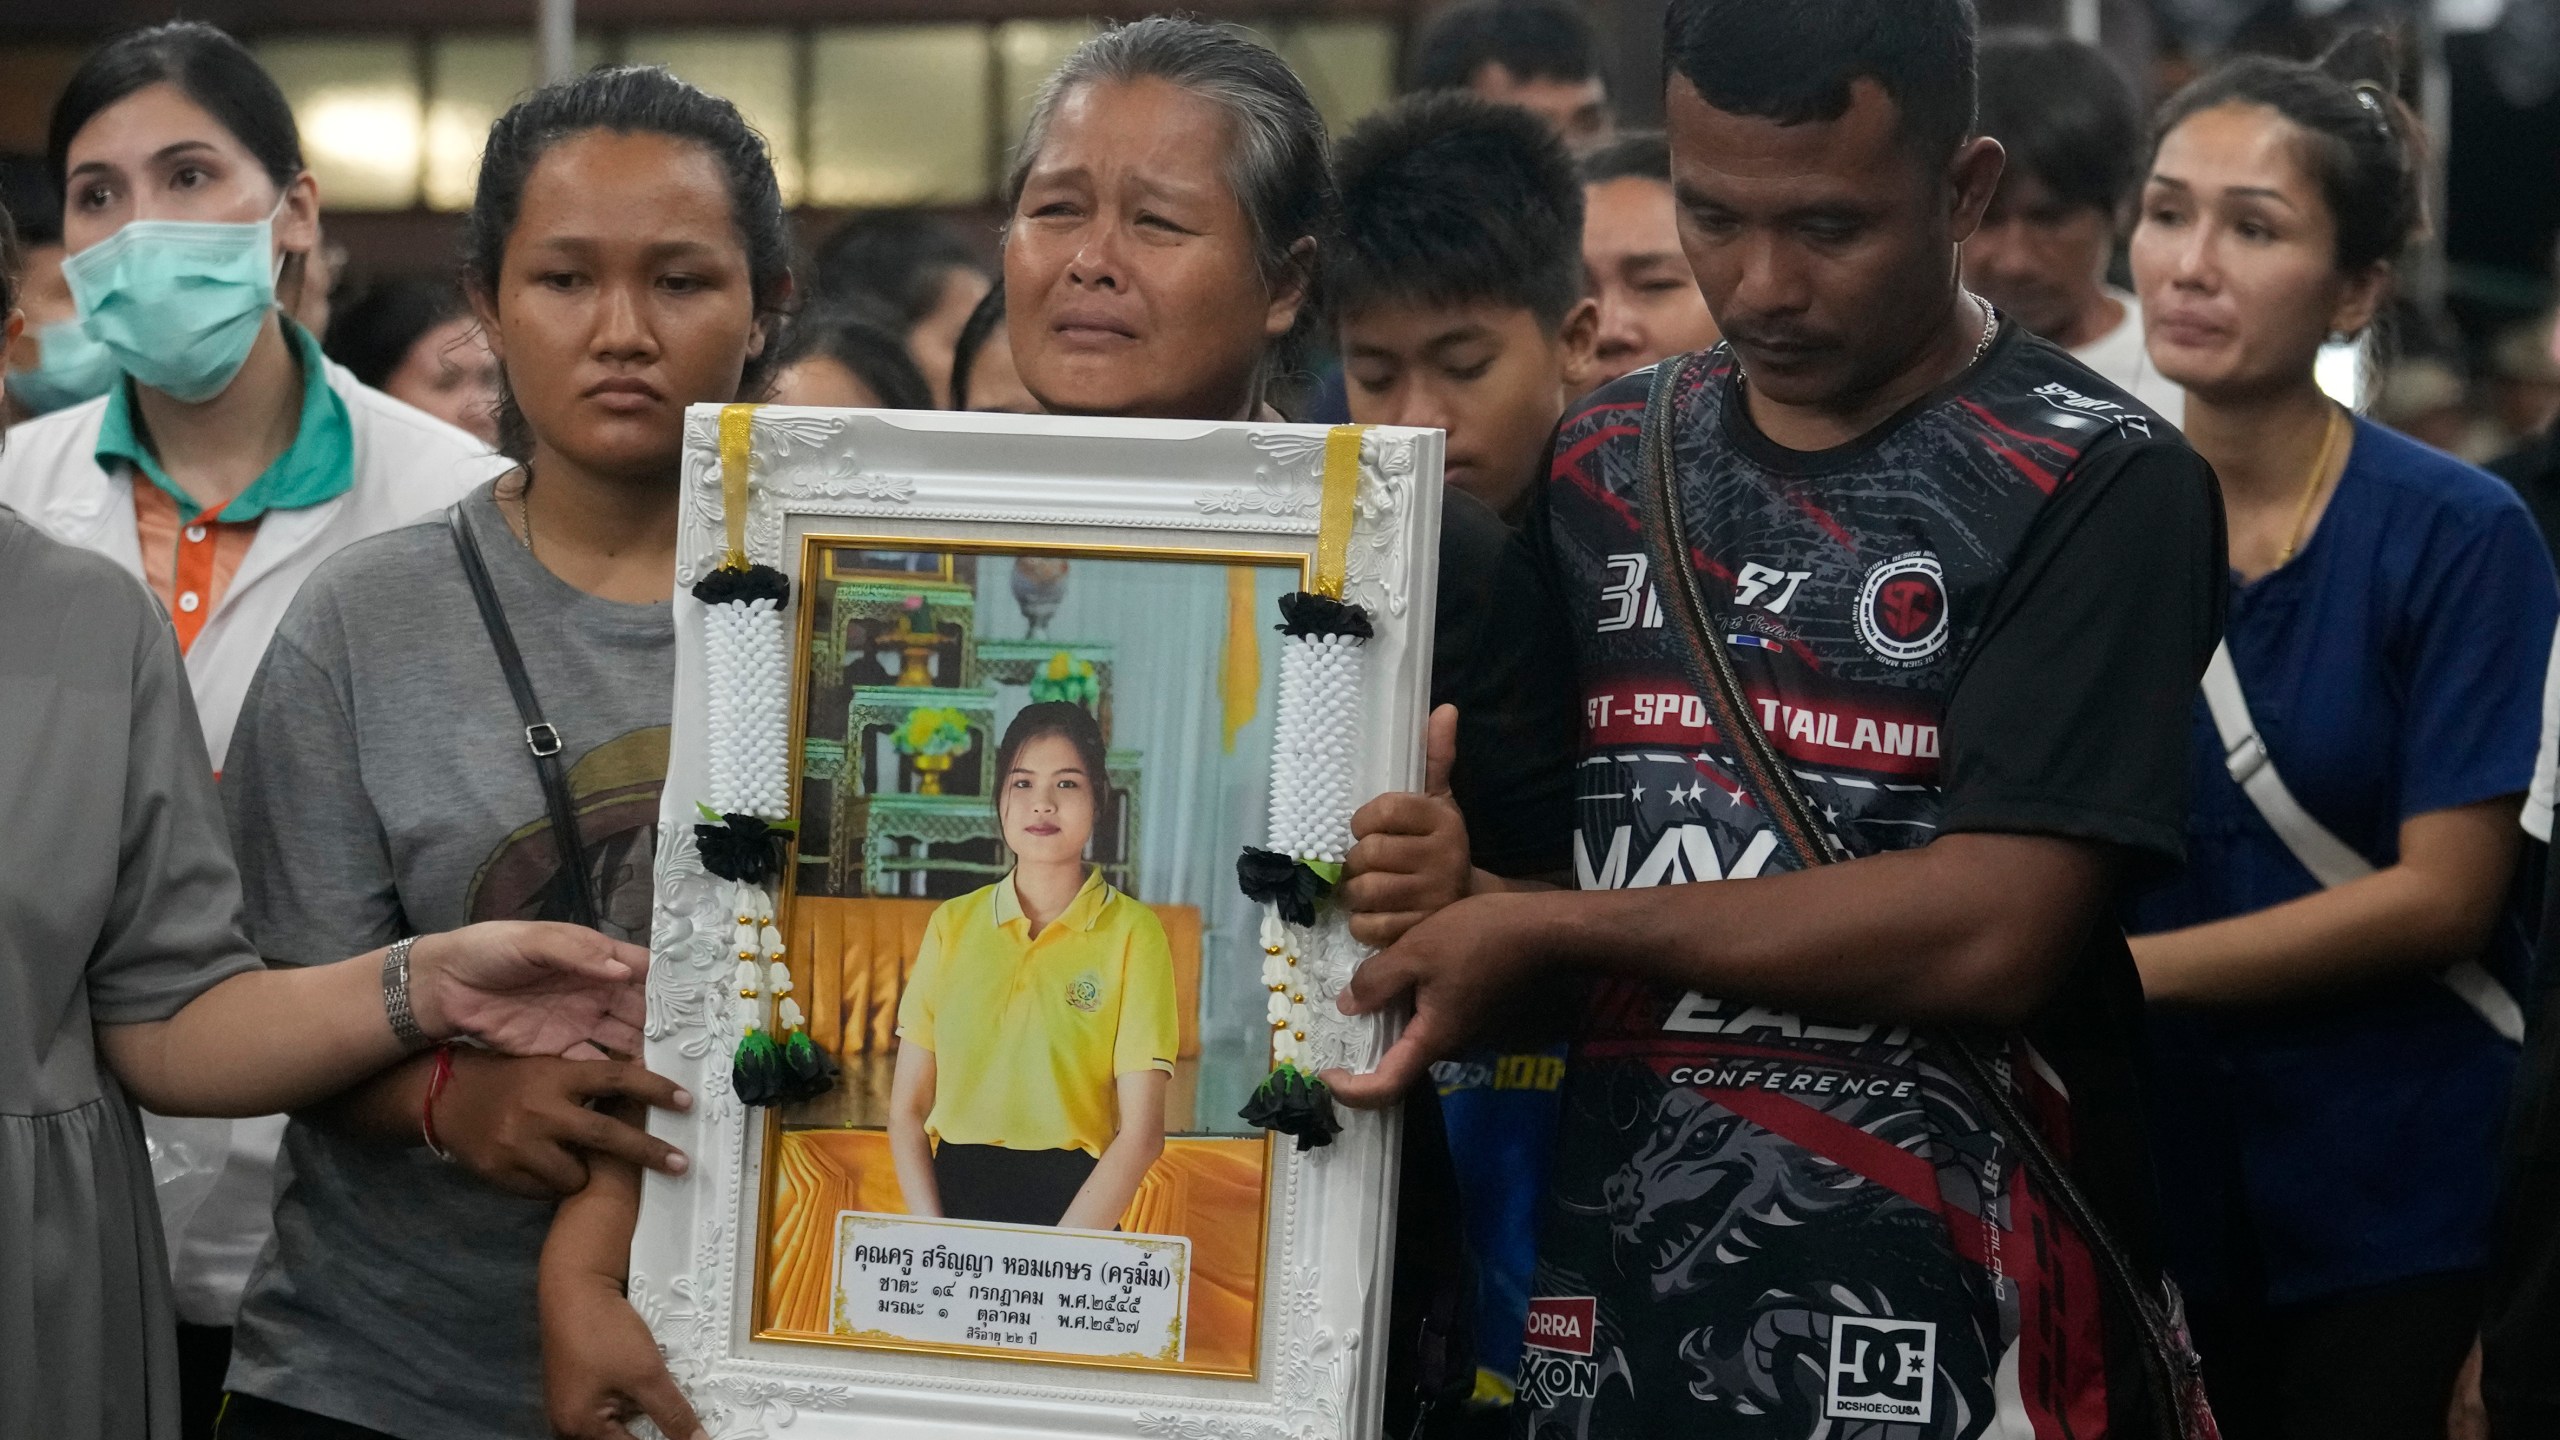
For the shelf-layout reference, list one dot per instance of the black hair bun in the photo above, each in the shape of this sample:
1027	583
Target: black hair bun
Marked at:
2364	57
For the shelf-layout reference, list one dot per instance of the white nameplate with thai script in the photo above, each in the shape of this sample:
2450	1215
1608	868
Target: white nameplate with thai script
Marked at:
1022	1289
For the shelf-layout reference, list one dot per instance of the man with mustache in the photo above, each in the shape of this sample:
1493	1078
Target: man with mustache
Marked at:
1966	589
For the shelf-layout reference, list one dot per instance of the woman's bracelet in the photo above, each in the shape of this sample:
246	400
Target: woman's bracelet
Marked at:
395	992
436	1082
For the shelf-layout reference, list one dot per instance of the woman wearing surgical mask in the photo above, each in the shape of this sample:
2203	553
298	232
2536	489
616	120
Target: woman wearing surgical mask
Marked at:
232	458
53	363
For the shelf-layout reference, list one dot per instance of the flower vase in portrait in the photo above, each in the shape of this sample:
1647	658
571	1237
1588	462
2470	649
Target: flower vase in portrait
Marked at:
1069	679
916	645
931	738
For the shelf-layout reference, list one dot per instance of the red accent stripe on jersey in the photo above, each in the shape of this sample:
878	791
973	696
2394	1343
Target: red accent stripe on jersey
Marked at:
1807	1128
2065	449
1887	1164
1568	468
2036	474
1822	517
1661	1049
1574	453
2062	1367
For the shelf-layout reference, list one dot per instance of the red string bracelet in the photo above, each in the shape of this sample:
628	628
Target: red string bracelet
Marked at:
435	1091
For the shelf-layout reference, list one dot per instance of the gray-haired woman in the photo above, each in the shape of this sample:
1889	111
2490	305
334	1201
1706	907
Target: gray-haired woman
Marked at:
1171	206
1168	203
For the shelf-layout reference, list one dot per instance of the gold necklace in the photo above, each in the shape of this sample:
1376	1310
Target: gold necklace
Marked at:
524	507
2311	487
1981	346
1990	329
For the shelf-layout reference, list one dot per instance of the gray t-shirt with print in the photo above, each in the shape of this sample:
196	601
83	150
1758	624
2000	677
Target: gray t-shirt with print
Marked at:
379	785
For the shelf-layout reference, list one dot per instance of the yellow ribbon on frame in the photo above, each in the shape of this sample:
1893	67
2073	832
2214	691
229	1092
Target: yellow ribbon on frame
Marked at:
737	429
1240	667
1334	519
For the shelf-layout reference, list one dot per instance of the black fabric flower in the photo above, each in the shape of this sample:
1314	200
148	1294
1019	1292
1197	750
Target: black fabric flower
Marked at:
1268	877
1304	612
741	847
756	582
755	1071
807	1071
1293	1102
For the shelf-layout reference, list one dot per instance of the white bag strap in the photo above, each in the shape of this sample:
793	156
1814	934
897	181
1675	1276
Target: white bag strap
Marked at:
2330	860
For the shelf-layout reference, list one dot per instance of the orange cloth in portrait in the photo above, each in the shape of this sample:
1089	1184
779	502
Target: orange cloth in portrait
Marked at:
1208	1189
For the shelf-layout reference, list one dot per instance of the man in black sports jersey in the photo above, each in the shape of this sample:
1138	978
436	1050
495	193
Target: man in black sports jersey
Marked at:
1967	588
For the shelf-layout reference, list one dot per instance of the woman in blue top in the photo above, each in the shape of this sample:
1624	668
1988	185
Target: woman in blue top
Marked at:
2329	1070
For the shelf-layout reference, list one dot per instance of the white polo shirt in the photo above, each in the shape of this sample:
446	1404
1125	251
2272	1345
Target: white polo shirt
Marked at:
2121	356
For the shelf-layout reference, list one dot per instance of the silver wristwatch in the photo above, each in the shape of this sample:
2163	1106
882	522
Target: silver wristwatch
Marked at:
395	992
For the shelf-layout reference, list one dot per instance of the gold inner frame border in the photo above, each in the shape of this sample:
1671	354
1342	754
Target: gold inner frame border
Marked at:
812	544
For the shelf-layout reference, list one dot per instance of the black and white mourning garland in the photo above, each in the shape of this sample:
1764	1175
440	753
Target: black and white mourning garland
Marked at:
1316	739
747	826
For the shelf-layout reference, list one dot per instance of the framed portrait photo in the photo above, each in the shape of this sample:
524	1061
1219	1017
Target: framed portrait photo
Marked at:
975	717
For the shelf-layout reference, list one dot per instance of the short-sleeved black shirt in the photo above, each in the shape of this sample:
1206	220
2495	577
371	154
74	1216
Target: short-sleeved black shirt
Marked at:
1989	614
1501	656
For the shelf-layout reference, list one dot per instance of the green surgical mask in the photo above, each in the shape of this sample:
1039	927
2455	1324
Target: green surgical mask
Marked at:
70	367
178	303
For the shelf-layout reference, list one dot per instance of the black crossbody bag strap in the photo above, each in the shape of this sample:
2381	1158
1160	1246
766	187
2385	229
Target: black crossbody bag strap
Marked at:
2169	1363
541	737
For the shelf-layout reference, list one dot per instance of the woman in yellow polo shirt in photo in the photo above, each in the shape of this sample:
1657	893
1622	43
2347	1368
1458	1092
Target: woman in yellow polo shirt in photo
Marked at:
1037	1033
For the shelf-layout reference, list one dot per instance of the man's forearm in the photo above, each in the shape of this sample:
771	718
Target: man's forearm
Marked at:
591	1231
1972	929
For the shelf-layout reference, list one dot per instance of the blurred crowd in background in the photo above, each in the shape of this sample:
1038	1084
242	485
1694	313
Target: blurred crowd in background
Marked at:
2469	361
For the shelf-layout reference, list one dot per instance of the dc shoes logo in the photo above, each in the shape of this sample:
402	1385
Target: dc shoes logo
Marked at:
1881	1369
1085	992
1902	609
1556	1364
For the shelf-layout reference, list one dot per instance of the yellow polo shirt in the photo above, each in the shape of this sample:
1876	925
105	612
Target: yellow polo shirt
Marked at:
1030	1033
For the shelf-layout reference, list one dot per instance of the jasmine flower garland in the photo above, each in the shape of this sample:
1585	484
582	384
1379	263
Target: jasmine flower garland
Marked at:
1319	727
747	827
755	1070
1316	740
750	689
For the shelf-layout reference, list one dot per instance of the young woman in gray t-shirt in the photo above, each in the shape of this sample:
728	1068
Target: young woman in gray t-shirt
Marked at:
627	256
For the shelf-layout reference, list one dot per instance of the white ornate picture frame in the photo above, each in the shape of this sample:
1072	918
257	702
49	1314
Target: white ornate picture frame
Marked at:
997	481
